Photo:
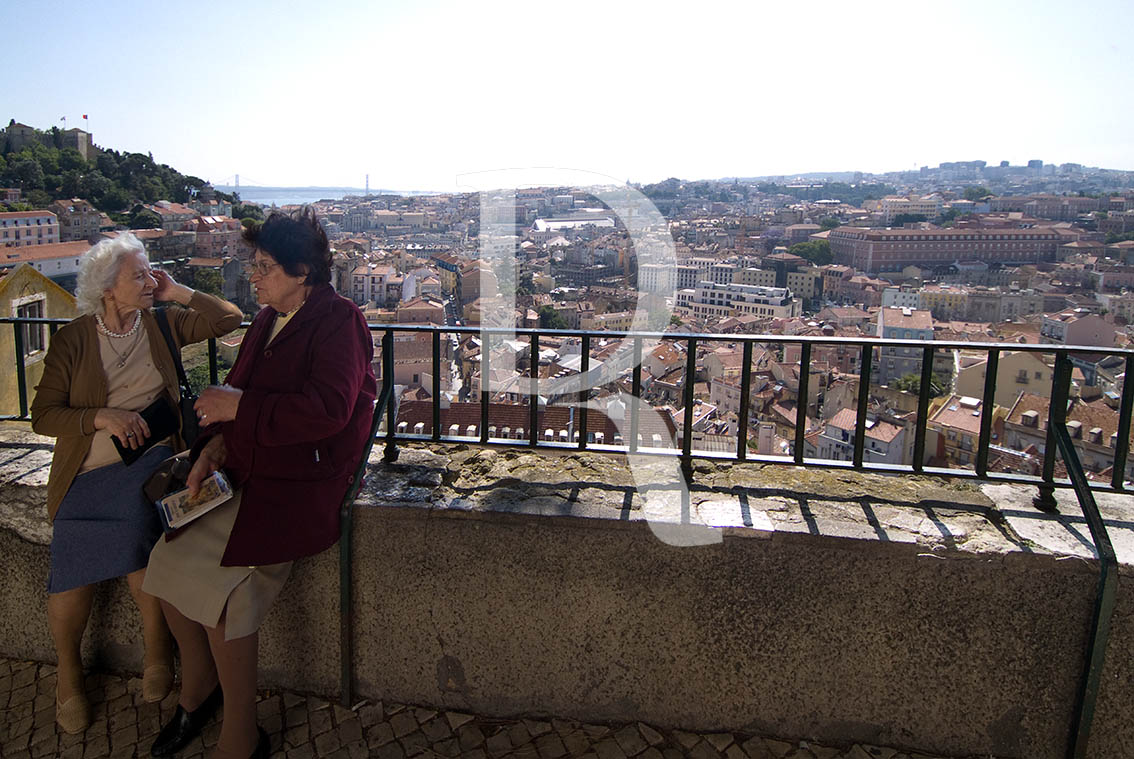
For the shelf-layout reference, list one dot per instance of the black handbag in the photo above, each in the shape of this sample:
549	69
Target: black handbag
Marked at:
190	428
160	416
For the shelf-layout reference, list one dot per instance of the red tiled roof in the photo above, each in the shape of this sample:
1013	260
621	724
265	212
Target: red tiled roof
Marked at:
9	256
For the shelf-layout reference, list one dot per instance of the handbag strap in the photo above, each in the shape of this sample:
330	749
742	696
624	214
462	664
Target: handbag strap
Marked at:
163	325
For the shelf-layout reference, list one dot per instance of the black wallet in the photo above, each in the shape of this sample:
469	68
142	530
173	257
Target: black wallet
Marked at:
162	421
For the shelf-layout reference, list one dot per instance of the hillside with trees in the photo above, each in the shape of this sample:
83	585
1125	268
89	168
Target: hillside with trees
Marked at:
113	182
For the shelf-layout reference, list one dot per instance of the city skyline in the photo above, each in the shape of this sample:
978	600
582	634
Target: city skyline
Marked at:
415	96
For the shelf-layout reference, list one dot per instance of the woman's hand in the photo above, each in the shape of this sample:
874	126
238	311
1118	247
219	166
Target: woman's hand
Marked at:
167	289
218	403
128	426
212	458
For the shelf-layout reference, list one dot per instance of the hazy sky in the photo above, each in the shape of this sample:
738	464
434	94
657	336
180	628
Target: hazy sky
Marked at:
416	93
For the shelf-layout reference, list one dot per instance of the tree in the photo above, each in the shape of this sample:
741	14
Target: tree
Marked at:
94	185
247	211
29	174
829	223
72	160
39	199
549	318
817	252
908	218
71	184
108	163
209	281
976	193
115	199
911	383
143	218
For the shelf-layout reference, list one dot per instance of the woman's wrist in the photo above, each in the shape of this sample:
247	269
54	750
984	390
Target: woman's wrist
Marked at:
183	295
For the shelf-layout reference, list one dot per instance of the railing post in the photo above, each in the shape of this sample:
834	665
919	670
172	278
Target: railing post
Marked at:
987	409
1087	695
485	393
533	393
801	400
214	369
436	383
863	401
21	376
1122	444
636	391
687	431
584	392
391	453
745	389
1056	415
922	408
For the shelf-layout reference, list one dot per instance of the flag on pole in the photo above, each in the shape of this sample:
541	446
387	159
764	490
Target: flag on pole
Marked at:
84	117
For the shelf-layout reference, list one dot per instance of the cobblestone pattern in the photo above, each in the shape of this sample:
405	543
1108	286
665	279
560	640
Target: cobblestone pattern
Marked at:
303	727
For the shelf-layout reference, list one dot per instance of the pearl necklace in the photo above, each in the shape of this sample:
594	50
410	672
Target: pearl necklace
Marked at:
104	330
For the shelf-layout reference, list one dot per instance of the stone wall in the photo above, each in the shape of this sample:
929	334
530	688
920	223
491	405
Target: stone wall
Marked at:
830	606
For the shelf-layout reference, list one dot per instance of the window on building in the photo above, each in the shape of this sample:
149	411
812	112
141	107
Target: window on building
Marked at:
33	334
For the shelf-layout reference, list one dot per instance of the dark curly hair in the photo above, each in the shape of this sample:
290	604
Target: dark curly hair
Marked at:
296	241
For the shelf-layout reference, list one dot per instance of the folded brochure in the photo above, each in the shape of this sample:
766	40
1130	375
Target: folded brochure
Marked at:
179	508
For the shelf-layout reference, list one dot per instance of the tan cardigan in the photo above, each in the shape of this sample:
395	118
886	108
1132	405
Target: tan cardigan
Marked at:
73	386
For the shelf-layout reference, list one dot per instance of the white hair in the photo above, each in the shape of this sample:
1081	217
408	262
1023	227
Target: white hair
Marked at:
98	270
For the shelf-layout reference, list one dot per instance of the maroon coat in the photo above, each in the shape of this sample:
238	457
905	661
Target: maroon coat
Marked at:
300	428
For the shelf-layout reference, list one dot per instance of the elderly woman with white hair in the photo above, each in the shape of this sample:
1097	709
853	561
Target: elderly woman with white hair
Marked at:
100	371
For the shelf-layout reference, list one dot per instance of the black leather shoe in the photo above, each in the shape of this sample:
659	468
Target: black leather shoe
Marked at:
184	726
263	746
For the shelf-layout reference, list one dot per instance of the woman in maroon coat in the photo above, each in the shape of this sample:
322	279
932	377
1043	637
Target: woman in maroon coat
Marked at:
287	427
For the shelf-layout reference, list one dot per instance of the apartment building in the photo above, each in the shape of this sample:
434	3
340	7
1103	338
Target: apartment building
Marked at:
955	422
174	216
1120	306
378	284
20	229
1077	327
795	233
1016	372
807	285
945	302
885	443
928	206
902	296
876	250
219	237
755	277
657	278
27	293
895	361
716	301
78	219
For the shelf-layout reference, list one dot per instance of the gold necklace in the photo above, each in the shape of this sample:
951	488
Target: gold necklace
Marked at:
129	349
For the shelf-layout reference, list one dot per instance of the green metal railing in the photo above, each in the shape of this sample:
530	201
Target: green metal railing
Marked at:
1058	439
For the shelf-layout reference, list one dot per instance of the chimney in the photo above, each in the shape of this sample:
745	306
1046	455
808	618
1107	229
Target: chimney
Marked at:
1030	418
1075	427
1095	435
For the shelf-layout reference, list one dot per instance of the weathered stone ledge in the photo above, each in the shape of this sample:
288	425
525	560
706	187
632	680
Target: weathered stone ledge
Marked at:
930	615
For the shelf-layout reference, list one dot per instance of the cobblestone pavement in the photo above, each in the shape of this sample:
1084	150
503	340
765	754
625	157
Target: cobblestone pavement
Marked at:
304	726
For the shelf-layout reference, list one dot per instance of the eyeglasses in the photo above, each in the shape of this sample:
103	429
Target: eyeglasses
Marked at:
259	267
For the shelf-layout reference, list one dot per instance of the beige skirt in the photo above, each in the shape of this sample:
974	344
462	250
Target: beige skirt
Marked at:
187	573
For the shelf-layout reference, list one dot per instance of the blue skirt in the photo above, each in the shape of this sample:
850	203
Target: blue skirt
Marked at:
105	527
